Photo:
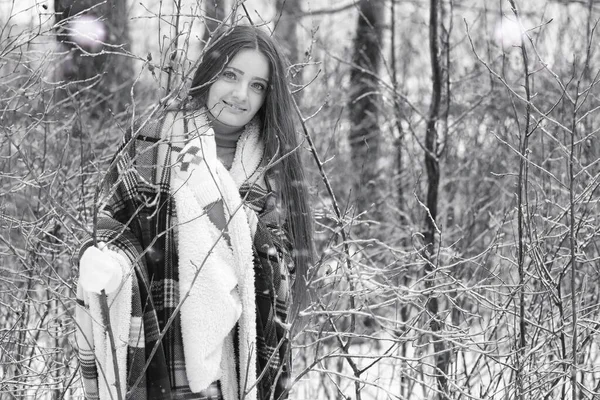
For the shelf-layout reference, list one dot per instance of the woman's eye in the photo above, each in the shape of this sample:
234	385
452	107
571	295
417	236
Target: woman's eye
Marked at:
259	86
228	75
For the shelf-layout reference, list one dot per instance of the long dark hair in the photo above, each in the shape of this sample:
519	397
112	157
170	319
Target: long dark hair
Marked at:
279	136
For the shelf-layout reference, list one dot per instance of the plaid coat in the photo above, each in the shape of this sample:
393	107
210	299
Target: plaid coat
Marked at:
138	219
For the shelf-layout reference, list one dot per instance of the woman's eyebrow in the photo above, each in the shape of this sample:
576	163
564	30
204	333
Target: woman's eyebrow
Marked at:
239	71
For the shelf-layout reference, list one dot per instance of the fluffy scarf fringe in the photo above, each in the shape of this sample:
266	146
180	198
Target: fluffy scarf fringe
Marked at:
216	278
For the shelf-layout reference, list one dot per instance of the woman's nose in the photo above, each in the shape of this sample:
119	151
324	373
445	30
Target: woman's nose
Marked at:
240	91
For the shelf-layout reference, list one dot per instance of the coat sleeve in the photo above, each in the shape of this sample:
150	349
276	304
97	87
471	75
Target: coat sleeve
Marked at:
116	227
93	348
99	351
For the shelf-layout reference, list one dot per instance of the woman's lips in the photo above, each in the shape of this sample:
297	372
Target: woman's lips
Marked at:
234	106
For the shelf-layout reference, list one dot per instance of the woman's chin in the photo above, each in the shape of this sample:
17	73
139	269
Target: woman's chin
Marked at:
224	120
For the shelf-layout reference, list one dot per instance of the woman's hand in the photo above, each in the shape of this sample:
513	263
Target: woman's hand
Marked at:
101	269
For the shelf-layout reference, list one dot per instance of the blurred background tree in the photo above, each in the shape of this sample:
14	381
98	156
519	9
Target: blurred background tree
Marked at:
94	40
364	103
215	16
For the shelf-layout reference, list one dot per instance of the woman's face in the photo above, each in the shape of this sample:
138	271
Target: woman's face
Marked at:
239	92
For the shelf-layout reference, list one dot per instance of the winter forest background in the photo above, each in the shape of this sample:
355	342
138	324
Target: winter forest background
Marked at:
454	162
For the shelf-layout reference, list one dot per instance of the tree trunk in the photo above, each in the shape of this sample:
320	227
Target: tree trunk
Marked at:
364	100
288	12
432	167
397	115
214	16
92	33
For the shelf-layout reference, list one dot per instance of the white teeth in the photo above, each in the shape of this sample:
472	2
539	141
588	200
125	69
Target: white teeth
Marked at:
234	106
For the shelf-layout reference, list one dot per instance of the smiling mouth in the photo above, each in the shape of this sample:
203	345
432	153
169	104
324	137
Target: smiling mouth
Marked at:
234	106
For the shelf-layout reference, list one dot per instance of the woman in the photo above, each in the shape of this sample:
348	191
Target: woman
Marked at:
205	226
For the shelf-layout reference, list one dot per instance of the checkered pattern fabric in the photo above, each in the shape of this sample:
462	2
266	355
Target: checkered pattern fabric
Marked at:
186	158
139	219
